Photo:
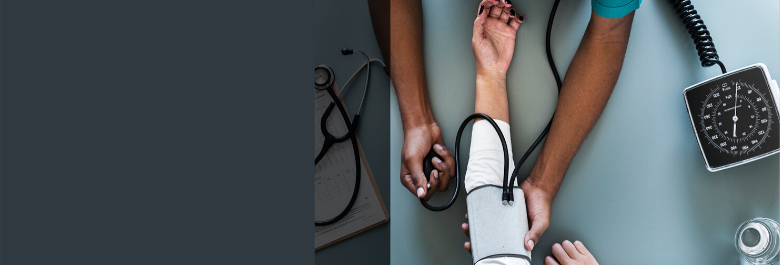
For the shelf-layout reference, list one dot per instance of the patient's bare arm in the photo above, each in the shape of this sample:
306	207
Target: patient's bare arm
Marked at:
493	42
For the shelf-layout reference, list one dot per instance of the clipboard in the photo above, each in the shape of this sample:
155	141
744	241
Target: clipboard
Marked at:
340	230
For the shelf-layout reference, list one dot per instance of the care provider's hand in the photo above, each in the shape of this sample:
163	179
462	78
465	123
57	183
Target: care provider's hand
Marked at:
493	41
538	202
417	142
568	253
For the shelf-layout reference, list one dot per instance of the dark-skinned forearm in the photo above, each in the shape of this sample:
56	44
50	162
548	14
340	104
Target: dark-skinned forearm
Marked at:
402	48
589	82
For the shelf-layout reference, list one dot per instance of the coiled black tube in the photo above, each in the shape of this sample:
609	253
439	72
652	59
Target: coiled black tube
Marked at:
699	33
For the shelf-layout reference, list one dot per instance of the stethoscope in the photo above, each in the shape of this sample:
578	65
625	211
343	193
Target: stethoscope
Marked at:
324	79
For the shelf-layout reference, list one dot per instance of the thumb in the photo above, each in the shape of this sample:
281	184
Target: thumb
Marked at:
418	177
538	226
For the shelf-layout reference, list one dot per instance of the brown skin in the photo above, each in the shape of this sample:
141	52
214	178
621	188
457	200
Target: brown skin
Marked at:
407	71
589	82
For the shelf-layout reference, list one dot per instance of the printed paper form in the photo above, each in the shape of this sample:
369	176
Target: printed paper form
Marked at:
334	180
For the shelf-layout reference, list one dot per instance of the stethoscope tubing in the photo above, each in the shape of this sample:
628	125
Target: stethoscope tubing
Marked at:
330	139
351	135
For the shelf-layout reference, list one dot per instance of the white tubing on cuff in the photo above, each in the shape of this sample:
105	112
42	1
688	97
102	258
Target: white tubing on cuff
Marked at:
486	155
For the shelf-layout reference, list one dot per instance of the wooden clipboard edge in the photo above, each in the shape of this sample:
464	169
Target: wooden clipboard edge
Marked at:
376	191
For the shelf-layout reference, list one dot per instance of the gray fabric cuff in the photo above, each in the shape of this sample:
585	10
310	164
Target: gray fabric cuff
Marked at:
495	229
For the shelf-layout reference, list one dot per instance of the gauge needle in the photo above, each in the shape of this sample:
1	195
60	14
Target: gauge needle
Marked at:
735	118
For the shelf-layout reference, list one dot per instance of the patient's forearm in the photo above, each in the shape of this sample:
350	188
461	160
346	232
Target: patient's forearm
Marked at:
589	82
491	97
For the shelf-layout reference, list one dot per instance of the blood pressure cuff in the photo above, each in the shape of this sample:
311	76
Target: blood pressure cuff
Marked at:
614	8
496	230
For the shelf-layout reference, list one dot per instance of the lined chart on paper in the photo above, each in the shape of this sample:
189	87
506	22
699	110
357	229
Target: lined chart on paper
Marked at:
334	181
333	186
336	126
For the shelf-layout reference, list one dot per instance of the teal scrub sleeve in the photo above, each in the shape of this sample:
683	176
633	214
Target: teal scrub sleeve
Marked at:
614	8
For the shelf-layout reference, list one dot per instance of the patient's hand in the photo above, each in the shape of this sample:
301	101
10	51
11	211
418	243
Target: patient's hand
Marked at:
493	41
568	253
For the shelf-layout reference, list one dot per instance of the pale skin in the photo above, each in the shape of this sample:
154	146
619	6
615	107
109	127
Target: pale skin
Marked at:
591	77
565	253
493	42
588	84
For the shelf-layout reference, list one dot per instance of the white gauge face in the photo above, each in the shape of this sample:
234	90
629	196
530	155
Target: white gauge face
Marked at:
736	117
321	76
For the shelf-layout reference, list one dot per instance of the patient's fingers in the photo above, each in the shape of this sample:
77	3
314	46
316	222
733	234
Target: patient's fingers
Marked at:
482	13
465	228
496	11
467	246
517	20
484	7
506	14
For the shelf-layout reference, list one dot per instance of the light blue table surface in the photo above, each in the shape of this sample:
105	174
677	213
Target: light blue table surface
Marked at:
638	191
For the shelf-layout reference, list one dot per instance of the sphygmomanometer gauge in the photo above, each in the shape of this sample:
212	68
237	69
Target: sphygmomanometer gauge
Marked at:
735	117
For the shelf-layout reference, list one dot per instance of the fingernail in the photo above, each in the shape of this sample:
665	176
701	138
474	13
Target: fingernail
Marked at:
481	8
521	18
567	241
531	244
512	12
438	147
436	174
420	192
437	160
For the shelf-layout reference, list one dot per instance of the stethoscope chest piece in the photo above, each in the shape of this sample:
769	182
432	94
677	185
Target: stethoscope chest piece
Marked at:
323	76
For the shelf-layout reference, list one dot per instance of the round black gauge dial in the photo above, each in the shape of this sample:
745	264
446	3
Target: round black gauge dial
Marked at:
736	117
